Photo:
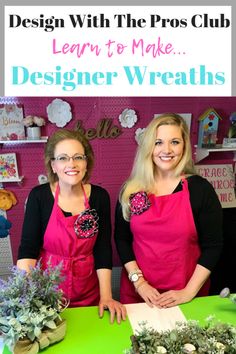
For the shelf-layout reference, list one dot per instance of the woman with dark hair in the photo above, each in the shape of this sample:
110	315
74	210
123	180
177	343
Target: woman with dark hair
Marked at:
168	228
68	220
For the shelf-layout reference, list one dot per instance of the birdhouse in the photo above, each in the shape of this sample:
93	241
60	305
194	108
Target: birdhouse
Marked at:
208	128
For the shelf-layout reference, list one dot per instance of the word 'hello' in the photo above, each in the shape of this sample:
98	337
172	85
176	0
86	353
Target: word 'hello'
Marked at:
104	129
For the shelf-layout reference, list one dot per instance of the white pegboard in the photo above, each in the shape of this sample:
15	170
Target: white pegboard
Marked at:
6	260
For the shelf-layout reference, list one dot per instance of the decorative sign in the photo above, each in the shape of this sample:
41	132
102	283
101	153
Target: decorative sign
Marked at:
11	122
8	168
117	51
103	130
222	179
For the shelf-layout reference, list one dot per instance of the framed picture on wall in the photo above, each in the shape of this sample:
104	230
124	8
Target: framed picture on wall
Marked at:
11	122
8	168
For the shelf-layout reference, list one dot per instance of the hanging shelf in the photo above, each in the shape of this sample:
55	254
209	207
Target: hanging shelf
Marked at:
18	181
202	153
43	139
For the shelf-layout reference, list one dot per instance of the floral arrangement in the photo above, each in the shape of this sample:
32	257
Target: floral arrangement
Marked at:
187	337
128	118
33	121
30	306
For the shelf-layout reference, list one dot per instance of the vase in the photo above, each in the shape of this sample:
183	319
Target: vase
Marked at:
33	133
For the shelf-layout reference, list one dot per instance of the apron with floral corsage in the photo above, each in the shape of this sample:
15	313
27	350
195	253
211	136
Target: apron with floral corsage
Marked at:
165	242
71	240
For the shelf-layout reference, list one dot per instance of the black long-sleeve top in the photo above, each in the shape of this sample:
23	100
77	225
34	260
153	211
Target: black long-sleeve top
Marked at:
38	210
207	213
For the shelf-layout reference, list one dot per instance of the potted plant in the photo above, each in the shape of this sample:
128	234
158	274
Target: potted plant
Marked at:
30	307
33	126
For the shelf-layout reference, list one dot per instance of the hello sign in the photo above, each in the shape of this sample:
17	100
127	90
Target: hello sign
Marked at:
104	130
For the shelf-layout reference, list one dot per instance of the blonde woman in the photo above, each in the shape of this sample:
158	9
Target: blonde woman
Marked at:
168	228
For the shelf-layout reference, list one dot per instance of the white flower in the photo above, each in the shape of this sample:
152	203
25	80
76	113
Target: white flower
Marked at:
33	121
28	121
139	135
128	118
220	347
161	350
189	348
42	179
39	121
59	112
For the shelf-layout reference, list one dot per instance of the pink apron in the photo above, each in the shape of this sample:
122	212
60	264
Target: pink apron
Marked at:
72	242
165	244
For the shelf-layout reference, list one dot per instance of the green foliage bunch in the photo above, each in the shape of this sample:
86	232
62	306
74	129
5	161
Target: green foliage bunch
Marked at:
29	302
187	337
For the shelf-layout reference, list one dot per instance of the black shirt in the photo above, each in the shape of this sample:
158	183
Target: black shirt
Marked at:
207	213
38	210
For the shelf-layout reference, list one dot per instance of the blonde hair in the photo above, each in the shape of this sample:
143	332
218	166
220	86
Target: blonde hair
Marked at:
57	137
142	177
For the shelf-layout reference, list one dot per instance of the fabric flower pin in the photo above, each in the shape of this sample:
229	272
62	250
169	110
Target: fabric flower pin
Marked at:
139	202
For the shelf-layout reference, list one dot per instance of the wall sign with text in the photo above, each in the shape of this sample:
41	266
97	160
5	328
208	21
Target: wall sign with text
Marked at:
222	179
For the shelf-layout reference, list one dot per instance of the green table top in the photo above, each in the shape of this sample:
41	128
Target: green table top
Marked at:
88	334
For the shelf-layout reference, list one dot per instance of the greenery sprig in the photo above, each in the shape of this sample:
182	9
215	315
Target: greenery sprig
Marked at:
29	302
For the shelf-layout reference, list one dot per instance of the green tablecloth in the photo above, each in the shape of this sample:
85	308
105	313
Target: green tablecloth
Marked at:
87	334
